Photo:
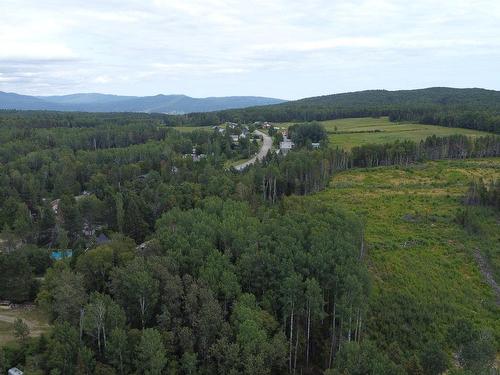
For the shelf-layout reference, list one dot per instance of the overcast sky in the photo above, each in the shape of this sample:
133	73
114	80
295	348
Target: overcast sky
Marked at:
280	48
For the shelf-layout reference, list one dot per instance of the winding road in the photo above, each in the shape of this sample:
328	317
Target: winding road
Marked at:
264	149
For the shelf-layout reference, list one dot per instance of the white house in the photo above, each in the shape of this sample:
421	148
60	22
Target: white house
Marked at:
286	145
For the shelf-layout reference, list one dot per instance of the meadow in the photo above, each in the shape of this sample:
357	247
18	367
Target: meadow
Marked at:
351	132
425	275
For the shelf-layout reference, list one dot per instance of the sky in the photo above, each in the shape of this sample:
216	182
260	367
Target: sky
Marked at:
287	49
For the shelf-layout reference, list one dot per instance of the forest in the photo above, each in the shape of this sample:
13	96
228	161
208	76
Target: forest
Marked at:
173	263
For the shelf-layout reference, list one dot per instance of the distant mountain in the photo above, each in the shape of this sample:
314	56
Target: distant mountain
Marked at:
16	101
91	102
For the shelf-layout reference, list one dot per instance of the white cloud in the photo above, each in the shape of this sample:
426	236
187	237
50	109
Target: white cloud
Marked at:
103	79
287	48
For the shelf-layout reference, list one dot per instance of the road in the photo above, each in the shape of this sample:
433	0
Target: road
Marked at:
264	149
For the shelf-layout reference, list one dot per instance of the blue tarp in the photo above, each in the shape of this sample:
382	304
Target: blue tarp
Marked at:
61	254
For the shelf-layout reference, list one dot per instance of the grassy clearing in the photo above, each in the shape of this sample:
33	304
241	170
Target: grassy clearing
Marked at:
425	275
189	129
35	318
347	133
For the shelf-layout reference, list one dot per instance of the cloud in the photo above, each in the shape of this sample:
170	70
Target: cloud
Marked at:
103	79
286	48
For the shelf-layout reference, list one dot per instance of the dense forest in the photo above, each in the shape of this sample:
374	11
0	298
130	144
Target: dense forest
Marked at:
174	263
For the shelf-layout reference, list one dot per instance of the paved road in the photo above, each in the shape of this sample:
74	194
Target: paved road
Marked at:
264	149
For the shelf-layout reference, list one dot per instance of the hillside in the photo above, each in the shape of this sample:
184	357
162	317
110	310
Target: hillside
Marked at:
442	96
174	104
464	108
422	262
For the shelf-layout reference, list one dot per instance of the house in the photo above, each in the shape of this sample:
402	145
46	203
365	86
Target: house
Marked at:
234	138
232	125
197	157
286	145
315	144
102	239
218	129
15	371
61	254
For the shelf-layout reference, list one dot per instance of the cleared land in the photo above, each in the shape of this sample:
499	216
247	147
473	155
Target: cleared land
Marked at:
347	133
422	262
189	129
35	319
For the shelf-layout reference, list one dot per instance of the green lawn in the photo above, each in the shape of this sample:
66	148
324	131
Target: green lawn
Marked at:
347	133
421	261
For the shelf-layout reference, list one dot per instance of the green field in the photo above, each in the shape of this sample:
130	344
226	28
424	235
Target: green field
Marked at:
347	133
188	129
422	262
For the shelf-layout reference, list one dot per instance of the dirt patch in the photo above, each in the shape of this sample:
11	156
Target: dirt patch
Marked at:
9	316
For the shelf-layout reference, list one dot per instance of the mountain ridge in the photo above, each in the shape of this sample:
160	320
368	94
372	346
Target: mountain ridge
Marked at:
161	103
